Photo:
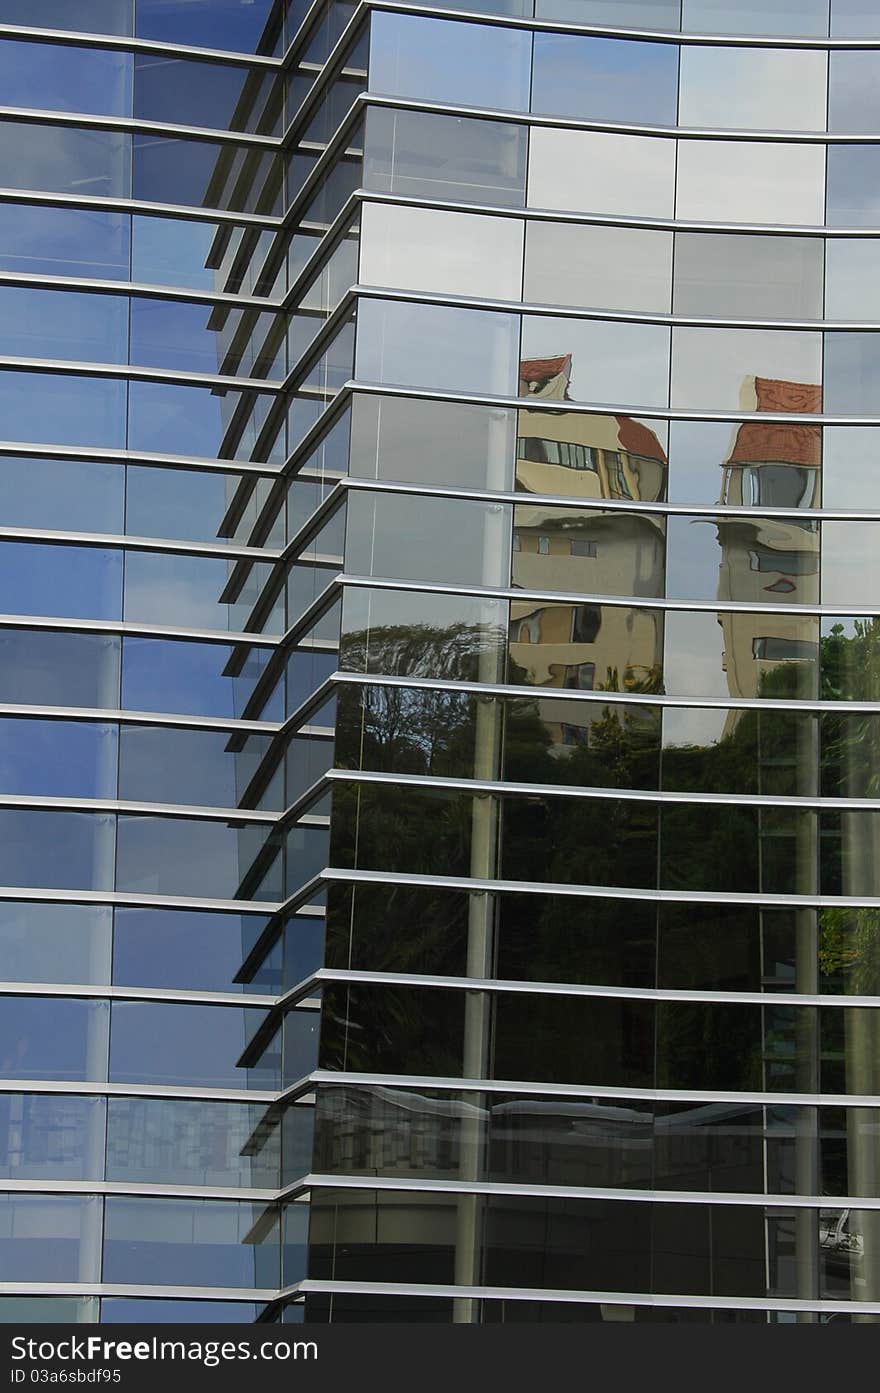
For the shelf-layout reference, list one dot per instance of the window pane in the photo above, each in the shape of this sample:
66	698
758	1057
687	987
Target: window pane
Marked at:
46	669
852	372
199	421
725	368
61	494
595	360
60	759
425	539
177	1142
82	850
54	1038
65	160
188	591
46	1137
455	636
165	856
600	172
605	79
425	249
617	268
856	17
125	1311
444	157
54	324
183	1044
50	1238
55	78
443	60
171	251
198	1243
743	277
176	170
743	655
752	464
55	942
767	560
850	574
193	679
436	346
196	94
627	14
852	278
849	475
88	16
753	88
46	409
64	241
212	768
185	950
588	551
748	17
853	190
409	441
73	582
235	25
741	181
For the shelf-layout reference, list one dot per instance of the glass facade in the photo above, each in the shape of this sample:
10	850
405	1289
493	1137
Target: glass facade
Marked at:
419	903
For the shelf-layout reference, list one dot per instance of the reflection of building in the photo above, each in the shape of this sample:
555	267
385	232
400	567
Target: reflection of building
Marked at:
772	559
585	550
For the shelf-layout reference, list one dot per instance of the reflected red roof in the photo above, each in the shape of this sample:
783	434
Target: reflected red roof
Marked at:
540	369
639	439
758	443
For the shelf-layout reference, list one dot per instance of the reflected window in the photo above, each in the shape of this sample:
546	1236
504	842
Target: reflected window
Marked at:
447	61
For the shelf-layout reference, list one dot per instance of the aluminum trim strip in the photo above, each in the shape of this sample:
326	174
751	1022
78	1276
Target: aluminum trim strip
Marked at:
506	689
653	413
117	716
550	1294
569	597
504	788
232	551
133	372
85	120
540	309
127	900
145	290
321	1078
124	626
479	885
75	38
365	484
501	987
502	1189
188	212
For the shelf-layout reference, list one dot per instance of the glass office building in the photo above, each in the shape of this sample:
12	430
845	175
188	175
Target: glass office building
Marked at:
440	661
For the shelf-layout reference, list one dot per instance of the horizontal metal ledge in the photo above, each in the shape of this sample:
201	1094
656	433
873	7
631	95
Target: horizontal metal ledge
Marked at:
52	623
514	788
186	811
543	310
146	290
573	597
507	1190
571	503
231	551
78	1089
106	203
491	691
572	408
559	121
117	716
674	36
131	900
169	996
478	885
131	372
85	120
588	219
75	38
327	1078
318	1286
512	987
147	459
142	1293
101	1189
